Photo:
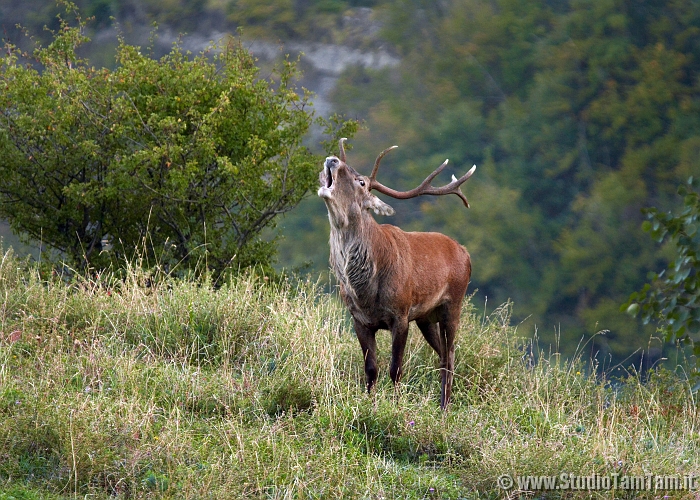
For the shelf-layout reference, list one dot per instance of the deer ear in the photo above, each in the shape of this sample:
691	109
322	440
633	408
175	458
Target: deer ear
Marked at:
379	207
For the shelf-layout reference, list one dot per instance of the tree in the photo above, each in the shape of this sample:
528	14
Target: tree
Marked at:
673	297
189	158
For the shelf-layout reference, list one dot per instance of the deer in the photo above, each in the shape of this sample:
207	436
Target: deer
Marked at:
388	277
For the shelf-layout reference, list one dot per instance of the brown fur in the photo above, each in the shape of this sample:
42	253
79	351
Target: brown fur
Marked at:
389	277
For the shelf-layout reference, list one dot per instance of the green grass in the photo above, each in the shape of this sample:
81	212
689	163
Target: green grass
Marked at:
143	388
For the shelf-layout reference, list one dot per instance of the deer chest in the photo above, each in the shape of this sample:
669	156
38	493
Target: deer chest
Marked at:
353	266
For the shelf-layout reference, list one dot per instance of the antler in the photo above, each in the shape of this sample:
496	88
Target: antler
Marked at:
341	147
376	164
424	187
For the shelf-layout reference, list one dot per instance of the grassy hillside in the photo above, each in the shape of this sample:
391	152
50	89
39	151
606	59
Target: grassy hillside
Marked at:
146	387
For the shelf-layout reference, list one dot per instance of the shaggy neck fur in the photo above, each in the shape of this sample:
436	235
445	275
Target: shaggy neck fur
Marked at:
352	259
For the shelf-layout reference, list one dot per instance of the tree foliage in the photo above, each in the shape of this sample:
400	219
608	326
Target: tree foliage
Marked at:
673	296
187	157
578	114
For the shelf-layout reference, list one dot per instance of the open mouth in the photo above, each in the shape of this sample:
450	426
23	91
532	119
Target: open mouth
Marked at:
329	177
326	182
325	177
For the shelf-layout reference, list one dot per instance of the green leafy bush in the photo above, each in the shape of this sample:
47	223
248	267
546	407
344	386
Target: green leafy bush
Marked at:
187	157
673	296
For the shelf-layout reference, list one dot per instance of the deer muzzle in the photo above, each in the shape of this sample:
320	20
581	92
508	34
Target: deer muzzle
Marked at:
326	177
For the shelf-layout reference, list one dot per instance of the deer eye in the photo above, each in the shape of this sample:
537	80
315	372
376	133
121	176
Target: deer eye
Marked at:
362	183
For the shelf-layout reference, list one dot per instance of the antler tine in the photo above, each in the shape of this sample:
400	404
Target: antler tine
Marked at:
376	163
341	147
425	187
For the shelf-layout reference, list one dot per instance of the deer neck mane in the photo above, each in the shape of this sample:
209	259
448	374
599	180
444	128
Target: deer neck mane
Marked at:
353	259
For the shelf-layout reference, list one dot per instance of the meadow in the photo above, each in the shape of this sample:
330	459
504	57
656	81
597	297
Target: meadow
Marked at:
139	385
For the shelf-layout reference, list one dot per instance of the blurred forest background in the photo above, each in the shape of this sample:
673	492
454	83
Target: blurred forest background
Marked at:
577	114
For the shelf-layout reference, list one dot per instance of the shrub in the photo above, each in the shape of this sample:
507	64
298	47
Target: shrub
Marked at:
187	157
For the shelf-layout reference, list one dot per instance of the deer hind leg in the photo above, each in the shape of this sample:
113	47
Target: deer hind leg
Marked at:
368	343
431	332
432	335
448	331
399	335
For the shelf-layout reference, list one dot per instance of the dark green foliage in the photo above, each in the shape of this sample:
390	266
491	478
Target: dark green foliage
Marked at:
188	158
673	296
577	114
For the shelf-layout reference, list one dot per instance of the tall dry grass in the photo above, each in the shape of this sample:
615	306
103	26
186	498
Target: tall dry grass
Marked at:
142	386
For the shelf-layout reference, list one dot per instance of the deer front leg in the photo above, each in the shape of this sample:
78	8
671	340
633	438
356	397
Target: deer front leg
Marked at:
368	343
399	335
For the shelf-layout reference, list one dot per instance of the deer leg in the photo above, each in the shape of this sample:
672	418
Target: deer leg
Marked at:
399	335
448	330
432	335
368	342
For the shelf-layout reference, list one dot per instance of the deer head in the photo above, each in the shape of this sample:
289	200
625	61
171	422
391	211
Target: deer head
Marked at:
347	193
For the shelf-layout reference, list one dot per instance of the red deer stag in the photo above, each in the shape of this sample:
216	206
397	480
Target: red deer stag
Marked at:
388	277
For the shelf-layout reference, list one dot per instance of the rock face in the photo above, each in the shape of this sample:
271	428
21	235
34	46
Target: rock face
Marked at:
322	63
329	60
